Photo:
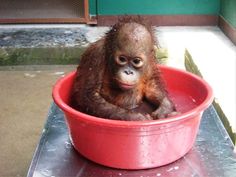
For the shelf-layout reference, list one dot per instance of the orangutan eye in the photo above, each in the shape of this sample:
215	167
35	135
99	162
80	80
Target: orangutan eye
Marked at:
121	60
137	62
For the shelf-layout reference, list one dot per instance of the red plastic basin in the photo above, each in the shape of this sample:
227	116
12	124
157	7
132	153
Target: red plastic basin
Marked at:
139	144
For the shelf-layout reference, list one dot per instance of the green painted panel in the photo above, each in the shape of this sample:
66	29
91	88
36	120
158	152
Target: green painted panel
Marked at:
93	7
228	11
163	7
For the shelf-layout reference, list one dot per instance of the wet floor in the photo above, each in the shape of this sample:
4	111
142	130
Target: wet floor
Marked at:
25	100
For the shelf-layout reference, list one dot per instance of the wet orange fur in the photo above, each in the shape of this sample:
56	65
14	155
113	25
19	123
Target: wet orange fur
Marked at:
95	92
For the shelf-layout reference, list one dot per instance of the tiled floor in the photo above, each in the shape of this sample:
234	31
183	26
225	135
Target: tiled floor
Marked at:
26	95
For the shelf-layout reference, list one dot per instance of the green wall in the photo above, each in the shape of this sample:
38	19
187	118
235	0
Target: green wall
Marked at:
152	7
228	11
93	7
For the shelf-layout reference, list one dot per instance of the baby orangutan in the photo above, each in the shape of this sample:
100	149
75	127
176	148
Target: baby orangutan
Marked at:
118	73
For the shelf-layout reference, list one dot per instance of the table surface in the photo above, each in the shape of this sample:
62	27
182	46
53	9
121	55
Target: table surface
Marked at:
211	156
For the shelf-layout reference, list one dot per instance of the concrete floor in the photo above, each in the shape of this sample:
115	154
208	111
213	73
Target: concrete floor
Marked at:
25	101
26	95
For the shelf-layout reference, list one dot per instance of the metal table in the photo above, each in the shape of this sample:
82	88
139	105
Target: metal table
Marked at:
211	156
